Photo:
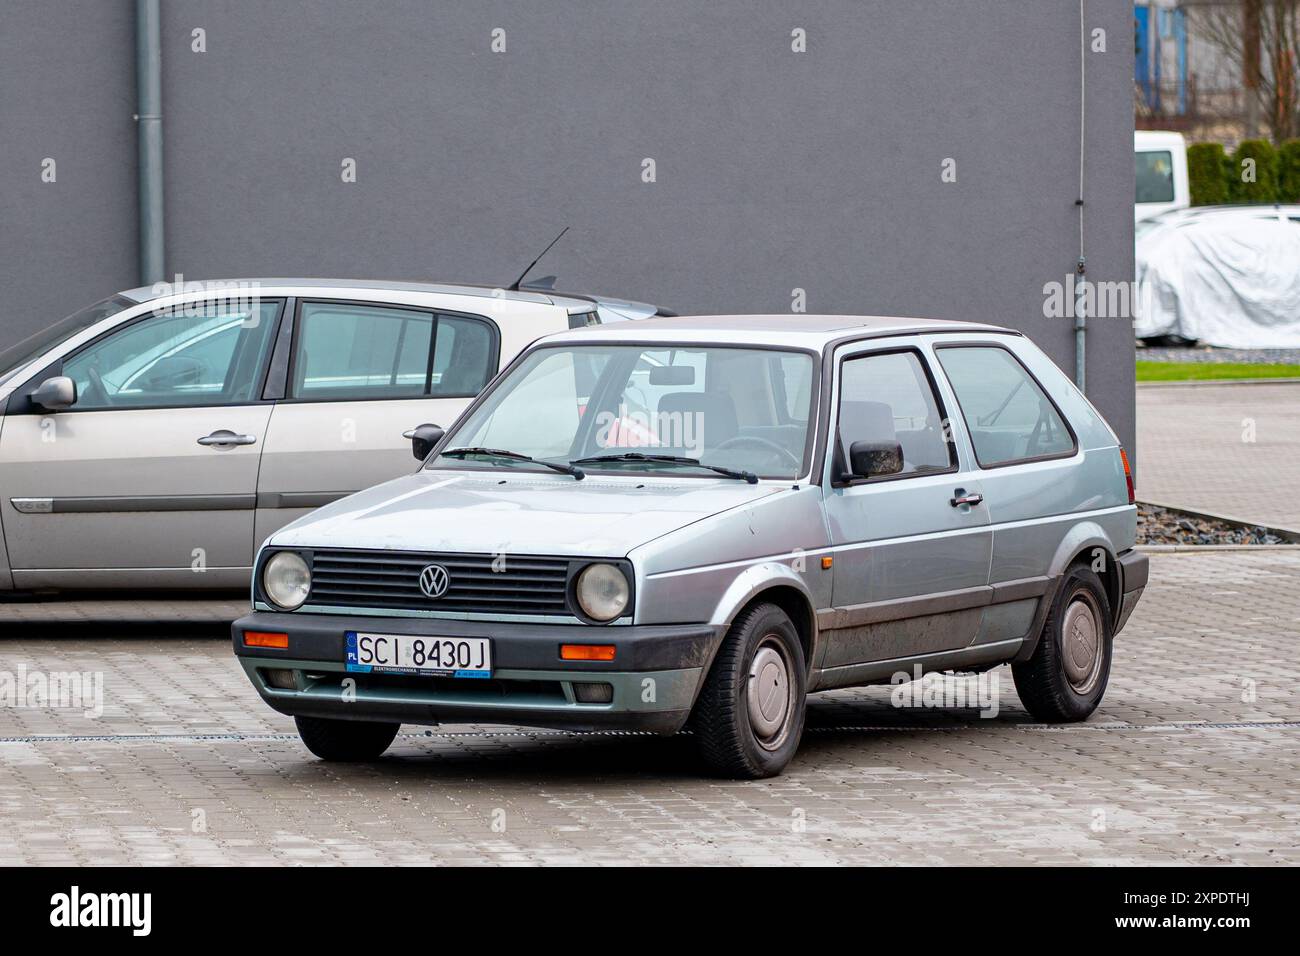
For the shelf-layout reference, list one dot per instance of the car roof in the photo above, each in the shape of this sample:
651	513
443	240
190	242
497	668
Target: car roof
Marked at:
1156	138
569	300
808	331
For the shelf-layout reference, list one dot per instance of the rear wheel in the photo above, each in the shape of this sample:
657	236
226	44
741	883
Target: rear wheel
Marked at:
750	715
1066	677
345	740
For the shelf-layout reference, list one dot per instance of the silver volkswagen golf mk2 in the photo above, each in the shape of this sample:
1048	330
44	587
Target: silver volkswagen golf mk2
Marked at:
695	523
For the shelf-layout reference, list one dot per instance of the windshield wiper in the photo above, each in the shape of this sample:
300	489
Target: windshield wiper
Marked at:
577	473
748	476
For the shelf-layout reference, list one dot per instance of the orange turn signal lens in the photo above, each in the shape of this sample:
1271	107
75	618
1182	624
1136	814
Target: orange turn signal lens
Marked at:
587	652
826	563
266	639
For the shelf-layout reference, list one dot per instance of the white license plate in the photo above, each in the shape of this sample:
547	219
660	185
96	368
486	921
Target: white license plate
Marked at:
419	654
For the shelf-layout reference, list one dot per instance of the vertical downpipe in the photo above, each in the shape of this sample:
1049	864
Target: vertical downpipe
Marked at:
1080	310
1080	328
148	79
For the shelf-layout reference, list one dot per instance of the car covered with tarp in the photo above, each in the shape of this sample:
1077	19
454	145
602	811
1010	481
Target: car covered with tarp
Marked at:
1223	276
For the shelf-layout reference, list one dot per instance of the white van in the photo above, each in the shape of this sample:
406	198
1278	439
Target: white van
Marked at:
1161	173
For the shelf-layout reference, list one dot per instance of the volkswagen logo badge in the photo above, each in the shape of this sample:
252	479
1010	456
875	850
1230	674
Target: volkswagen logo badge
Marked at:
434	580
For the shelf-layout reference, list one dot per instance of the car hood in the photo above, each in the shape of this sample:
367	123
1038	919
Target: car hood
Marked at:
486	512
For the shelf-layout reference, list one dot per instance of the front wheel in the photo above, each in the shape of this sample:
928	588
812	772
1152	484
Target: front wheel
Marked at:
750	715
345	740
1066	677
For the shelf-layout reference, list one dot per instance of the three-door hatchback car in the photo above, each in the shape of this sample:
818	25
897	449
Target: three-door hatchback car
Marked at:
156	438
697	522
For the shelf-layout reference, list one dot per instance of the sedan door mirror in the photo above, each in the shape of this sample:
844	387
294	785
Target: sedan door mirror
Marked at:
423	439
869	459
55	394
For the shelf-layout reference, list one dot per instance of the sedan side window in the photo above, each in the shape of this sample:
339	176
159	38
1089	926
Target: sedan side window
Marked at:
887	397
353	351
347	352
208	353
1009	417
464	357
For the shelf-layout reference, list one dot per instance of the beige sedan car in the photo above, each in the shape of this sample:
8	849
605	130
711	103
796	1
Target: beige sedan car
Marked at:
156	440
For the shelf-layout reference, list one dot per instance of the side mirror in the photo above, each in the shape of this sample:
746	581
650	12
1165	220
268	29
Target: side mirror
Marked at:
868	459
55	394
423	438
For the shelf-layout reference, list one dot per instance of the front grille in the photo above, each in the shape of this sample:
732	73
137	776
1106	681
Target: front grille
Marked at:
391	579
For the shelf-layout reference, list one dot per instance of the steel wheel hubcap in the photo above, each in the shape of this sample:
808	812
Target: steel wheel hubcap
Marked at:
1081	637
767	695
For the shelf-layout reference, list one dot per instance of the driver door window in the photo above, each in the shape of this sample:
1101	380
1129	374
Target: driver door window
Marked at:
887	397
198	355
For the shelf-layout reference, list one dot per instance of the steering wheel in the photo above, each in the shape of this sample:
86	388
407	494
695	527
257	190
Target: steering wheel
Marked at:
766	444
97	383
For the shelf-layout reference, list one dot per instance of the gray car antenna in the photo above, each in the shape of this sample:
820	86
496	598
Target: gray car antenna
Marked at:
514	286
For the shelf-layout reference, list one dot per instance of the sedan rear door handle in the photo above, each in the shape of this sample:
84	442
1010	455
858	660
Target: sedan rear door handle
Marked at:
223	436
964	499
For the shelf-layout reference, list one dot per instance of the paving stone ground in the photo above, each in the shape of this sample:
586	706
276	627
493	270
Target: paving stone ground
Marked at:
1192	758
1224	449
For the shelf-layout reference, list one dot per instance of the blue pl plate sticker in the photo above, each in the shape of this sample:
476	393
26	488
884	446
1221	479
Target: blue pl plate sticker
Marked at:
350	655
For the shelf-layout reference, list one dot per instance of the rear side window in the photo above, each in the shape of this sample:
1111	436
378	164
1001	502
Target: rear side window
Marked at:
1009	417
463	357
355	351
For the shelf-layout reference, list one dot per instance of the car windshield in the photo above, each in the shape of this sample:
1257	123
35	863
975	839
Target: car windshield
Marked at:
685	410
32	347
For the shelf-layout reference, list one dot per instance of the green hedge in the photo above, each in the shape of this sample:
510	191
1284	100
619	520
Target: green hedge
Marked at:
1208	174
1264	188
1215	177
1288	171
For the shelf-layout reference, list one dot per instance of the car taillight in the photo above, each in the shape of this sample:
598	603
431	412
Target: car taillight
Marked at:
1128	476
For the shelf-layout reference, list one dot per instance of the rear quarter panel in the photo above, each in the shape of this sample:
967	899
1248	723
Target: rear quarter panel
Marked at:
1045	512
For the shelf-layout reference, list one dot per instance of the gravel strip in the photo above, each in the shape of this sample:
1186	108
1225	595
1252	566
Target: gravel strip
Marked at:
1213	356
1162	526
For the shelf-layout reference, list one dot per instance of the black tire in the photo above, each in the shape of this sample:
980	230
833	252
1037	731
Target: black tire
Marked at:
728	739
1049	683
345	740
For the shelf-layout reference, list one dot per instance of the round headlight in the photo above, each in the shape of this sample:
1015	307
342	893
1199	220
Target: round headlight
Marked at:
286	579
602	592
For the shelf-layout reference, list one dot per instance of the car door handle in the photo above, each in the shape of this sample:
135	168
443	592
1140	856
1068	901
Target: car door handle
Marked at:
223	436
964	499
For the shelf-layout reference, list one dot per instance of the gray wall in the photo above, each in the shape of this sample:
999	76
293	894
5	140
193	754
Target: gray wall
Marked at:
67	93
776	170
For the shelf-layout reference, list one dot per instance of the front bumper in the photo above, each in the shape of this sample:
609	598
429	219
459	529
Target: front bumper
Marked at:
654	676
